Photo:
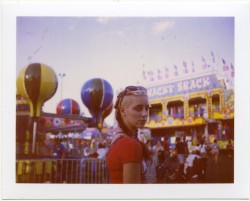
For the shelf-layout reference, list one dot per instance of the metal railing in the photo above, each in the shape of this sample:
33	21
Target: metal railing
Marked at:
84	170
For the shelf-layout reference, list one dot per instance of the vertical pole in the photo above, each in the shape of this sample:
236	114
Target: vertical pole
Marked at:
61	88
34	136
62	75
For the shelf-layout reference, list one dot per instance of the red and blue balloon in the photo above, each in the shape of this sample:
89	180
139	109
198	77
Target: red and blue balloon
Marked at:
68	106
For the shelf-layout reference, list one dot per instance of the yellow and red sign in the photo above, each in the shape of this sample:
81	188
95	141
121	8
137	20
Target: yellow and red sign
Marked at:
172	122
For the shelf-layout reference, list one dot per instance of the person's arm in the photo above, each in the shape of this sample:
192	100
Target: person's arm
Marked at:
63	150
132	173
186	150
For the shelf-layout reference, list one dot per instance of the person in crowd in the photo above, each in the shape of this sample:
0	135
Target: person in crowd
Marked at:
101	150
182	151
193	133
223	134
183	139
58	150
215	151
195	141
44	150
195	111
193	168
166	147
202	147
59	153
93	144
101	143
204	155
78	146
161	157
201	111
142	139
150	146
199	137
86	151
70	147
226	132
159	150
230	148
126	153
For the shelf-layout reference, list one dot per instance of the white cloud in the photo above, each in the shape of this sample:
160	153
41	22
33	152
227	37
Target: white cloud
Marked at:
103	20
120	32
162	26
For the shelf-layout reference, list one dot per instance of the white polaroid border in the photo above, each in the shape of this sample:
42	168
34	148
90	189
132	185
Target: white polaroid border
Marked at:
238	190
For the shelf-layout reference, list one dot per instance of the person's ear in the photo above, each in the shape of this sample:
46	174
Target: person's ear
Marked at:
122	111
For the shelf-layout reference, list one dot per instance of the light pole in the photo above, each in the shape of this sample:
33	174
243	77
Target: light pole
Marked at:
62	75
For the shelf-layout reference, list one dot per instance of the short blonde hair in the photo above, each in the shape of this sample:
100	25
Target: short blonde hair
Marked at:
127	99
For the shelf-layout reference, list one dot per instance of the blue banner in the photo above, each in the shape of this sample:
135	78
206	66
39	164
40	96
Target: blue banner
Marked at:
184	87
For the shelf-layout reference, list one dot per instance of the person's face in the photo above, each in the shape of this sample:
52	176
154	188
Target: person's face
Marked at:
136	113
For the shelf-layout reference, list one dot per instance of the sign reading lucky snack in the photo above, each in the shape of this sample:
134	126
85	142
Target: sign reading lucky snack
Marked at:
191	85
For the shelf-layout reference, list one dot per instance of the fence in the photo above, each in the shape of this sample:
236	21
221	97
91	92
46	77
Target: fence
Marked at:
88	171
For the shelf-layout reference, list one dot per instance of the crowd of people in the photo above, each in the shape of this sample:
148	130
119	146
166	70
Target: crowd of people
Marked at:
60	148
187	161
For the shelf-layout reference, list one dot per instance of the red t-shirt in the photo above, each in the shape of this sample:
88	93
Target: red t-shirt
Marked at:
123	150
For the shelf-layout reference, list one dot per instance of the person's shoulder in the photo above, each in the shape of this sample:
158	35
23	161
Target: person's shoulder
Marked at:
128	141
128	138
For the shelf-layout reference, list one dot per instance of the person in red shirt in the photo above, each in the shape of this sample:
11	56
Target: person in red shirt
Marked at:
126	152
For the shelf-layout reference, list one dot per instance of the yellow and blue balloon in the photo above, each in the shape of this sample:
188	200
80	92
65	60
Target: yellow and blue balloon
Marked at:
97	95
37	83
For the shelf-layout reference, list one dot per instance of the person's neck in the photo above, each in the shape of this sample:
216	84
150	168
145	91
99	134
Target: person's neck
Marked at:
131	131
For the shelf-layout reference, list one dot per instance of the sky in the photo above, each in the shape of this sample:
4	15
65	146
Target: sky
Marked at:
119	49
